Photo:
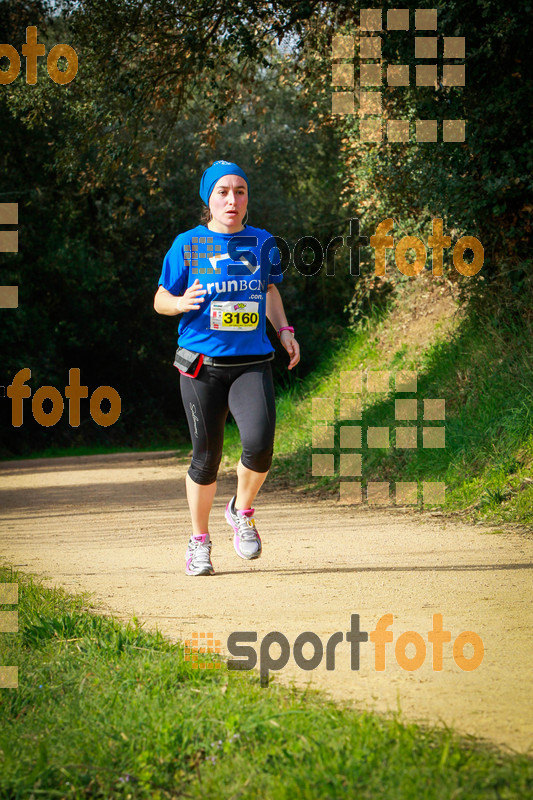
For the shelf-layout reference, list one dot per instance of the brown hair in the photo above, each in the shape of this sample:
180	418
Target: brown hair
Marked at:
205	216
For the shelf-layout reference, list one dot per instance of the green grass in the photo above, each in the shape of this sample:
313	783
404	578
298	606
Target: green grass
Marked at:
105	710
484	371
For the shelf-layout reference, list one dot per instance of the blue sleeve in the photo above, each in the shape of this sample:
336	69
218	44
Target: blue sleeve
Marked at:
175	275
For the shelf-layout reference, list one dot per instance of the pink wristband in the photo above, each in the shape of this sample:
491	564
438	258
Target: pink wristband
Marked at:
286	328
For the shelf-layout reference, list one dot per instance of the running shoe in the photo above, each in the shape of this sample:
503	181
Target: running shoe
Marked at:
246	540
198	555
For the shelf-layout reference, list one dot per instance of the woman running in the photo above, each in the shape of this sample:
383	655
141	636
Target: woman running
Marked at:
221	277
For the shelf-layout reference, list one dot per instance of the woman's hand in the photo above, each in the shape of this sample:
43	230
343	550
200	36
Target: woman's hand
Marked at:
193	296
167	303
291	346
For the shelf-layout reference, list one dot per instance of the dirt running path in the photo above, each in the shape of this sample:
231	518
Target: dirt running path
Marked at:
118	526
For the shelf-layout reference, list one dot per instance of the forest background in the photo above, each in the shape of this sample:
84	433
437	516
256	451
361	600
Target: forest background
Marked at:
105	171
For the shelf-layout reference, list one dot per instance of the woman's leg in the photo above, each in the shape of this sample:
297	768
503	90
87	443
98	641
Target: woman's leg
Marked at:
252	402
248	485
200	498
205	400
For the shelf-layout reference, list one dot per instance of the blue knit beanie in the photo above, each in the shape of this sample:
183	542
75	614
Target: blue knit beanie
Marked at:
213	174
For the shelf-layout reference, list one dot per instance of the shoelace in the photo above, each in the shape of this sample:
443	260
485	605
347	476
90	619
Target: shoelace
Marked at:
247	529
201	553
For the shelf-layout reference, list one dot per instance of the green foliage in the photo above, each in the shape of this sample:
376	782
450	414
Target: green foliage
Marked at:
483	371
106	170
481	187
116	160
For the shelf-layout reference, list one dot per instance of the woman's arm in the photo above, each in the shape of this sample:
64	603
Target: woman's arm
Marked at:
274	307
170	304
276	314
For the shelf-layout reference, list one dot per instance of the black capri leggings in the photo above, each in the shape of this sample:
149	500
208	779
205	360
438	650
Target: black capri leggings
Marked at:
246	391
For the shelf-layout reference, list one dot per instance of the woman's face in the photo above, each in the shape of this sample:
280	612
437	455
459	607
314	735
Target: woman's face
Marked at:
228	203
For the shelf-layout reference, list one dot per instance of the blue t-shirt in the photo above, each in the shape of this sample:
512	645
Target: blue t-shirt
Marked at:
231	320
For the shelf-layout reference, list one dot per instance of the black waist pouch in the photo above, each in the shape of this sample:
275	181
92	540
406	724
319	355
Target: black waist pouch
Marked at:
188	362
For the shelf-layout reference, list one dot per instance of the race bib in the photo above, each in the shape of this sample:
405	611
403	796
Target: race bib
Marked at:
234	316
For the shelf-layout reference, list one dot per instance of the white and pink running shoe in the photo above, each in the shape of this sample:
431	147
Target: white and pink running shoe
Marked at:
246	539
198	555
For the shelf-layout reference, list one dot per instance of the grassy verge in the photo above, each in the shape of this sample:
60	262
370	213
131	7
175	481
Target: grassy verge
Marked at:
105	710
483	371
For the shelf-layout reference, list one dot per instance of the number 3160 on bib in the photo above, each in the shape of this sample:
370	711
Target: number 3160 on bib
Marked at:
231	316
